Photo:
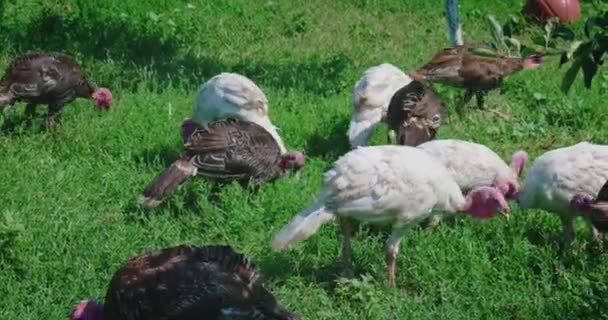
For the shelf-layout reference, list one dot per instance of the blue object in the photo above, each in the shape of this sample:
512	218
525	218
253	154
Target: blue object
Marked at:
454	29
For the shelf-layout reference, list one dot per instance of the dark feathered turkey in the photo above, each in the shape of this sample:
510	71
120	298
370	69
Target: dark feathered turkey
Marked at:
476	74
224	150
185	283
414	114
599	210
50	79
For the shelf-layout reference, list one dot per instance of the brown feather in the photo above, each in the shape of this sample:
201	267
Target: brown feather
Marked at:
415	113
187	282
234	150
599	210
461	68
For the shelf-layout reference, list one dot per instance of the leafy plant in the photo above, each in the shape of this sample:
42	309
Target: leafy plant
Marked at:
503	36
587	55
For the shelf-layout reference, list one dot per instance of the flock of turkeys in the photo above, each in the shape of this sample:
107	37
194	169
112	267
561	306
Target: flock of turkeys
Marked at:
413	178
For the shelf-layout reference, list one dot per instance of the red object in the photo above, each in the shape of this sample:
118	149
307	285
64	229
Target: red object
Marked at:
565	10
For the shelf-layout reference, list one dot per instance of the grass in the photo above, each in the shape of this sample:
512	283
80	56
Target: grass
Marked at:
69	216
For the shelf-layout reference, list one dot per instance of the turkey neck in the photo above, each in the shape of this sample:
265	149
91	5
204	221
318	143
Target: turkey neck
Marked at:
510	65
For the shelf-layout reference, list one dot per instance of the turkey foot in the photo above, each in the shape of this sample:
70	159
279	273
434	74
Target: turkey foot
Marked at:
464	99
51	118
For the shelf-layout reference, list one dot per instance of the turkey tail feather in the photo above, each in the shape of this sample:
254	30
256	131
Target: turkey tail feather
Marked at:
362	126
306	223
166	182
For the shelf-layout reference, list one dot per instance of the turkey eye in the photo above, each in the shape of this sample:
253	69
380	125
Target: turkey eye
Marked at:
436	118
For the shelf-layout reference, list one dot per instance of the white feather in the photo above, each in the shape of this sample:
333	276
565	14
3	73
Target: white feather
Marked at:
471	164
371	97
233	95
379	184
557	175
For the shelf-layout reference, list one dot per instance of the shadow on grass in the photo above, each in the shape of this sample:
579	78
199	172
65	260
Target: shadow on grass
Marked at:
278	266
332	145
15	124
164	154
167	54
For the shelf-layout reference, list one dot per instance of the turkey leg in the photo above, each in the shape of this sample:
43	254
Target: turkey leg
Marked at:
52	116
568	231
392	249
465	98
480	99
346	226
597	236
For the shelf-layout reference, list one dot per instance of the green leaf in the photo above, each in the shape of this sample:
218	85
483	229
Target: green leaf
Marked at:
484	51
597	55
539	96
589	71
589	24
573	47
564	33
571	75
563	58
515	43
496	29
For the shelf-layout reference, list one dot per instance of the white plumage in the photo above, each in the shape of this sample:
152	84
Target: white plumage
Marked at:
557	175
233	95
395	185
474	165
371	97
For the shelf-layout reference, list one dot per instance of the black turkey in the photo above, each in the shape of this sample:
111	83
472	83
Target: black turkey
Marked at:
50	79
414	115
224	150
185	283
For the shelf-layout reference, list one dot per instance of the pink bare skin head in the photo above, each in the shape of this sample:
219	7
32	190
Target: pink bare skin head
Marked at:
87	310
508	188
103	98
188	128
581	203
533	61
292	160
518	162
485	202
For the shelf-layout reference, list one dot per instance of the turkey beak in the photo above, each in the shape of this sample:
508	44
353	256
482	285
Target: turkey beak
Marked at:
505	212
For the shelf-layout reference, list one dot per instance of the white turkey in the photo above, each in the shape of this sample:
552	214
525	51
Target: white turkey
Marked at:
231	95
394	185
557	176
371	97
185	283
474	165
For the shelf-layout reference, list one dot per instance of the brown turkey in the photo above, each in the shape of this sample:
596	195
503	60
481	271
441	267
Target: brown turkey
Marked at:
477	74
185	283
414	115
224	150
596	209
51	79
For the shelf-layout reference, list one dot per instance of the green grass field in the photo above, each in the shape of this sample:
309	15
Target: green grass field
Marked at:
69	216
